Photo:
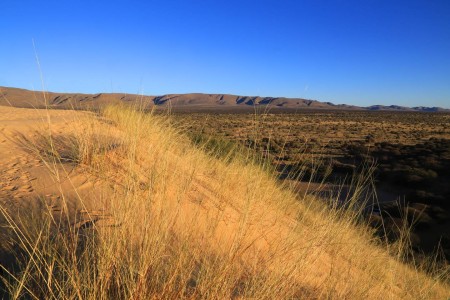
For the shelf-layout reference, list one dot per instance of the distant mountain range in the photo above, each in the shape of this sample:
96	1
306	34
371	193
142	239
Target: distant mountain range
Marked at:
188	102
404	108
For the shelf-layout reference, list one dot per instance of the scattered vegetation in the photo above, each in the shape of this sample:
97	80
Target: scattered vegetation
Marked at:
410	150
190	220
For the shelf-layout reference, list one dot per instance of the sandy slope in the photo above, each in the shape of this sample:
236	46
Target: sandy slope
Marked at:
26	180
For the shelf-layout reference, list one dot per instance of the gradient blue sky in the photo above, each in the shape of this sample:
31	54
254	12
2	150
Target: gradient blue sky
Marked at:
359	52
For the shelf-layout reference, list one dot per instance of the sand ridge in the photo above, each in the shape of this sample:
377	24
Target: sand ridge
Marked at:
26	180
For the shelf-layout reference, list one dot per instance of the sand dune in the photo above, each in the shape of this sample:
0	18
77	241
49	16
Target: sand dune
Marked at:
164	209
25	177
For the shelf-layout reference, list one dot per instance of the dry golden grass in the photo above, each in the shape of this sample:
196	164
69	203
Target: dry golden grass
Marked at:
185	224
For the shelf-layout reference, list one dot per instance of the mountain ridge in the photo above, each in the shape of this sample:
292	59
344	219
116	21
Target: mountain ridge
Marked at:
17	97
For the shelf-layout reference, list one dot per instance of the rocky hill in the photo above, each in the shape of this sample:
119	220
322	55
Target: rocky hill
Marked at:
193	101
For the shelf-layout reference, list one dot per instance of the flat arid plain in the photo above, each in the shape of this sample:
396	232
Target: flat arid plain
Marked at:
406	155
114	196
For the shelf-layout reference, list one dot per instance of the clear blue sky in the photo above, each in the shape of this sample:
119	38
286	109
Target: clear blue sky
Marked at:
359	52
